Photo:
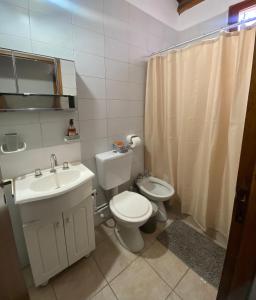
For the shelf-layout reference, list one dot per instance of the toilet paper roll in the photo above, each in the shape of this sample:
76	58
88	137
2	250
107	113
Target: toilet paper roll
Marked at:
134	140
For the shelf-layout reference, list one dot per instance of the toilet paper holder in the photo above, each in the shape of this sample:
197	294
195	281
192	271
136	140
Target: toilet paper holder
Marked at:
130	141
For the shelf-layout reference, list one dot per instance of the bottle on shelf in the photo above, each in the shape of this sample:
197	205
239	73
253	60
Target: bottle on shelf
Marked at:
71	128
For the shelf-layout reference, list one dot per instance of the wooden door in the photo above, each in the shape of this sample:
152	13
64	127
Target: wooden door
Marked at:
46	248
12	284
79	230
240	264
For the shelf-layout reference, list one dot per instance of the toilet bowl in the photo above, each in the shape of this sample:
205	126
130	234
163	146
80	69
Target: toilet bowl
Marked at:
130	210
158	191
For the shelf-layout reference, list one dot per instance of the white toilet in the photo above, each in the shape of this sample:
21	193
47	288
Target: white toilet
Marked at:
158	191
130	210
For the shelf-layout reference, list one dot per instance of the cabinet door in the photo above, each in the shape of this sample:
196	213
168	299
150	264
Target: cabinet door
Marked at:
79	230
46	248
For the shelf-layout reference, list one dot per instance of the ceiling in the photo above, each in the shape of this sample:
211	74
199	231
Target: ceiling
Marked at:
166	11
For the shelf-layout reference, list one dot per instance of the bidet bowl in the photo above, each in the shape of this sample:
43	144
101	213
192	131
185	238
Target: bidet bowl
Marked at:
155	189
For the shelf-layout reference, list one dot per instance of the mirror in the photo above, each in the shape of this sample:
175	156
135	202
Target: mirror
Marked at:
33	82
7	78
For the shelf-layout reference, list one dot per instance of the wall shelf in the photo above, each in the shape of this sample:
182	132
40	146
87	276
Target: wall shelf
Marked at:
72	139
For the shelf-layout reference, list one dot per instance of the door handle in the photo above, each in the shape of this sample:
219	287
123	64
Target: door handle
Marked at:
241	203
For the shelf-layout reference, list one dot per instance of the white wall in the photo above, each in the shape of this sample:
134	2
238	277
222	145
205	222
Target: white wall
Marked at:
166	11
202	12
109	41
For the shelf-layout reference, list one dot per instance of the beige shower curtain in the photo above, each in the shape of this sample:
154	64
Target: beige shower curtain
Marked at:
195	109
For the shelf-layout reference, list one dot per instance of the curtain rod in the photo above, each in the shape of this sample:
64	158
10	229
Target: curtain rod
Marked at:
202	36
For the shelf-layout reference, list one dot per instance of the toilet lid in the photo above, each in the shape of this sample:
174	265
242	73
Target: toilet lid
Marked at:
131	205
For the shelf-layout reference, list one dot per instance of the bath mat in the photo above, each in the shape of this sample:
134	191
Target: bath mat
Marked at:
197	251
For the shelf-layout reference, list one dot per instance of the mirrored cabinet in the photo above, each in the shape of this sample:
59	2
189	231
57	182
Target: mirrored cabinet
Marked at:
33	82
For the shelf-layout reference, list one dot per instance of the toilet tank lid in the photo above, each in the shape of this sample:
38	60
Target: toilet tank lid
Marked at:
110	155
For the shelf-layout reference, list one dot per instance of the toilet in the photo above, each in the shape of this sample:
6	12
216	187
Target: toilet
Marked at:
130	210
157	191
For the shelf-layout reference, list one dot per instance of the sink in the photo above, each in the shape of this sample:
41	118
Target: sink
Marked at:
29	188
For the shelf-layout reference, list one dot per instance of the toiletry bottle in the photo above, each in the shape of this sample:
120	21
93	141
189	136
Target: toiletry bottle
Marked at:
71	128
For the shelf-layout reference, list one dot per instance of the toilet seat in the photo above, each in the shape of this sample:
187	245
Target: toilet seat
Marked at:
131	207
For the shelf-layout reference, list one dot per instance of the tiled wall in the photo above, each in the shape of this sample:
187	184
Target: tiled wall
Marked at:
203	28
109	41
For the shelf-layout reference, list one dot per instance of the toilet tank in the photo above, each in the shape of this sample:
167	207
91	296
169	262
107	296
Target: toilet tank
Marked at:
113	168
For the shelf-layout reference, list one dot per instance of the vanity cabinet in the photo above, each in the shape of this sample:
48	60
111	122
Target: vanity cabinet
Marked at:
46	247
78	231
58	231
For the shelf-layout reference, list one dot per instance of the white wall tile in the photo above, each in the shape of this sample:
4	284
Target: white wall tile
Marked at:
116	29
51	49
116	50
15	42
124	126
18	118
109	51
117	9
20	3
138	19
31	135
92	147
89	65
136	91
91	88
117	90
92	109
88	14
93	129
88	41
137	73
49	29
138	55
14	20
50	8
118	109
116	70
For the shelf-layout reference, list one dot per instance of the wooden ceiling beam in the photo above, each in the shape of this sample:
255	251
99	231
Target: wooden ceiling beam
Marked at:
187	4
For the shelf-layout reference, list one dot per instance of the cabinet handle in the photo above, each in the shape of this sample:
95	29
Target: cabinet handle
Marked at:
67	220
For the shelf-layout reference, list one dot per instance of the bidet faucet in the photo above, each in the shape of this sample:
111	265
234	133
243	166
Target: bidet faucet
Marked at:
54	163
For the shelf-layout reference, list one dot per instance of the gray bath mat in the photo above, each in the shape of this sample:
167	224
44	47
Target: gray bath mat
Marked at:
197	251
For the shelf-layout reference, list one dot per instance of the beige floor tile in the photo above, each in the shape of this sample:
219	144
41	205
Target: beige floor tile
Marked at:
193	287
150	238
42	293
173	296
139	281
112	258
79	282
102	232
166	264
105	294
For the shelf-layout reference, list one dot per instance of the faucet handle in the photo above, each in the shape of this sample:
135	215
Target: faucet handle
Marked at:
38	172
65	165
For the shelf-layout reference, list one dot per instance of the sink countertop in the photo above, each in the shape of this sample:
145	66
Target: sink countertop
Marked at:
29	188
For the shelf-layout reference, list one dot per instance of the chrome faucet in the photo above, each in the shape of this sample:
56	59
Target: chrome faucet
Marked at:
54	163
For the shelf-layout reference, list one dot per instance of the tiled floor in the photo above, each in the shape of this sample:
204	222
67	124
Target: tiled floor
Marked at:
112	272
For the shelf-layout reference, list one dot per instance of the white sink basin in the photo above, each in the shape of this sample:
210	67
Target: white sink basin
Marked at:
29	188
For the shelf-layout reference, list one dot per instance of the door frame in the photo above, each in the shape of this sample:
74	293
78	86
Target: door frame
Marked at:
239	268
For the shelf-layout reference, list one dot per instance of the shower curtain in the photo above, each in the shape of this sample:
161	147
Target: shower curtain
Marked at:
195	109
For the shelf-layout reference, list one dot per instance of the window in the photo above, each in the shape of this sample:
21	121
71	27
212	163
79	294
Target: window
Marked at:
242	11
